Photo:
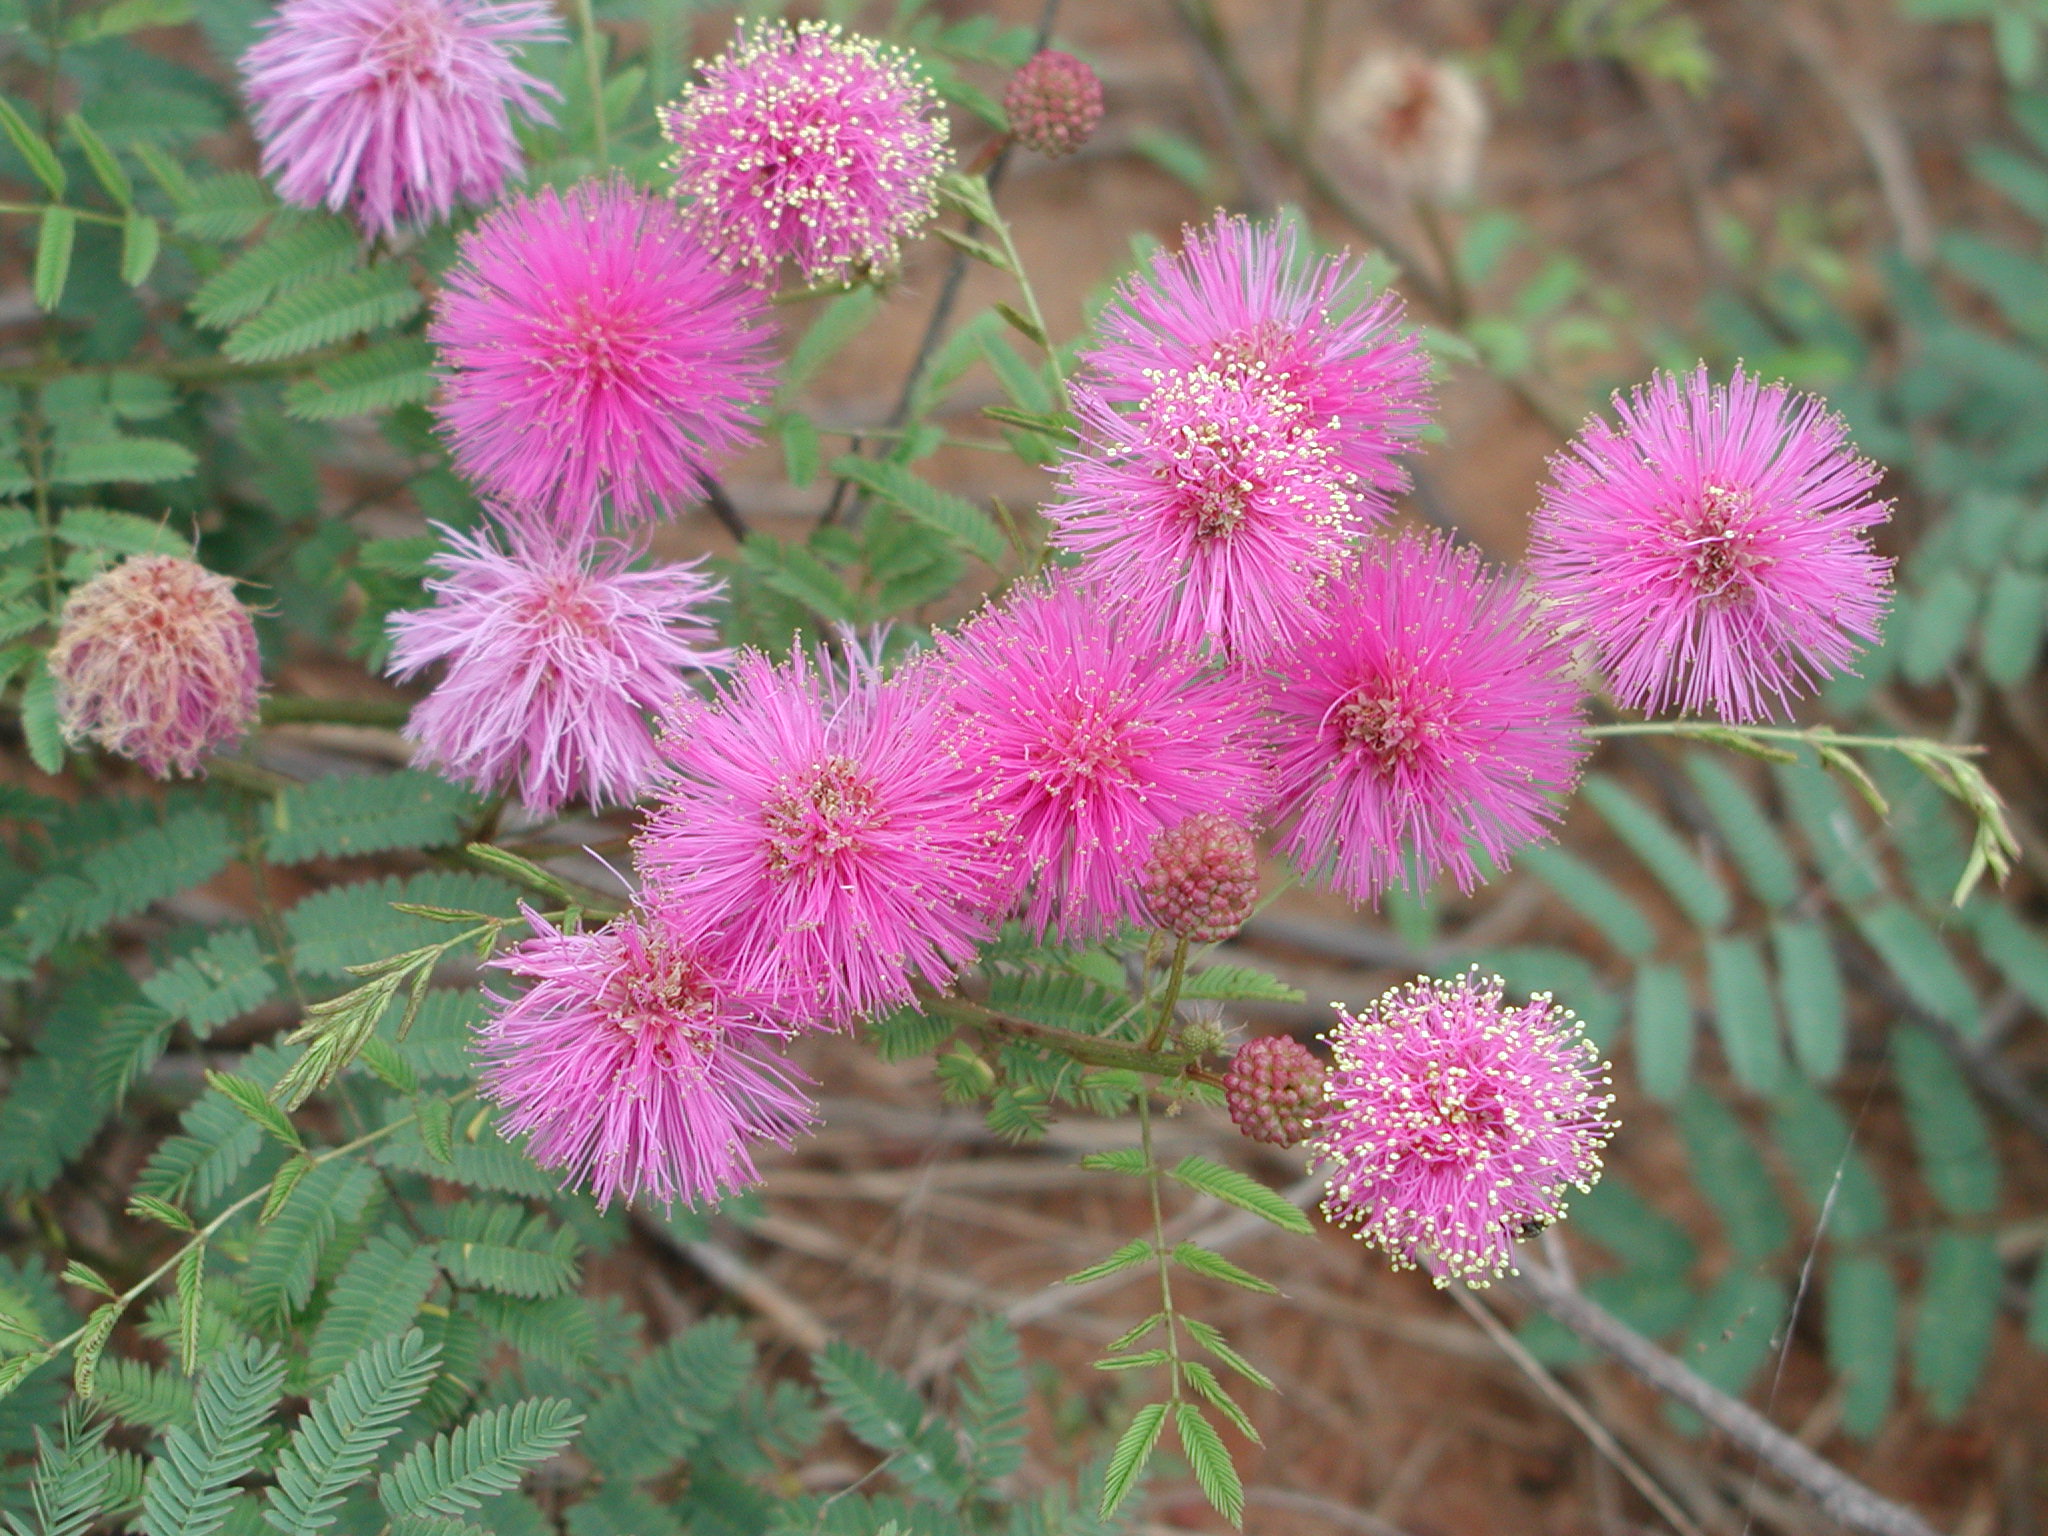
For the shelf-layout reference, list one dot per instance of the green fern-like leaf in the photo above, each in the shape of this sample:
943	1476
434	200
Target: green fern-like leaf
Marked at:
355	813
70	1488
334	1446
1133	1451
1058	998
297	250
1210	1460
225	207
285	1258
140	1394
377	1294
881	1408
505	1248
324	312
993	1398
220	980
356	924
391	373
1240	1190
120	533
487	1455
106	460
955	517
191	1482
216	1141
126	875
669	1401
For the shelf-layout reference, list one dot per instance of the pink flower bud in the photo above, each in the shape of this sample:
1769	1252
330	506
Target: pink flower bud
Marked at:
156	660
1054	103
1202	878
1274	1089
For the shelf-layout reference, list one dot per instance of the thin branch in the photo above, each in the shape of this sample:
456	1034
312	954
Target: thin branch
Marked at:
723	508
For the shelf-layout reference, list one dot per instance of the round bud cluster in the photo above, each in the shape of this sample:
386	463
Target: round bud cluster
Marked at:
1274	1089
1412	123
1054	103
1202	878
156	660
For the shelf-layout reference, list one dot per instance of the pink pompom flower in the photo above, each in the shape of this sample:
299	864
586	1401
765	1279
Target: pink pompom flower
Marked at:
1715	548
812	814
591	348
1430	714
636	1064
1216	506
1243	300
1092	735
555	658
1454	1123
394	109
156	660
808	145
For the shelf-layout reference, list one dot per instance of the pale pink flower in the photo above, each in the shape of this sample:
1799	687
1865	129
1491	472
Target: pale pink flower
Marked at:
636	1064
394	109
593	349
156	660
811	812
807	145
555	658
1716	548
1092	735
1454	1123
1429	716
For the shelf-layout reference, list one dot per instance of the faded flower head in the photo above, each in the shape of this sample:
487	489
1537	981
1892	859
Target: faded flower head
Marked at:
394	109
1054	103
634	1063
809	145
591	348
1203	878
1091	736
1274	1090
1431	713
555	658
1414	123
811	813
1244	301
1716	547
1456	1123
1216	506
156	660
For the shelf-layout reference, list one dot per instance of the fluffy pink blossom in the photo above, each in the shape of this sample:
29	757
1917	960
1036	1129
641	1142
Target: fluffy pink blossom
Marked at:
1454	1123
1217	505
592	348
1243	298
555	656
1430	714
394	109
634	1062
812	814
156	660
1092	735
808	145
1716	547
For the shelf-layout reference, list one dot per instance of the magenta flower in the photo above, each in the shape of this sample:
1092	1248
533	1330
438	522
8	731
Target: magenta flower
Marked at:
1454	1123
156	660
395	109
807	145
1429	715
636	1064
812	815
1715	548
592	348
1216	506
1092	735
1242	300
555	656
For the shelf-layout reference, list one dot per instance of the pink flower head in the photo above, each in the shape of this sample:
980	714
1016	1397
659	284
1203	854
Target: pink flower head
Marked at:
1053	103
808	145
156	660
1716	547
1454	1123
1217	506
635	1062
555	657
592	348
1428	714
812	815
394	108
1093	735
1241	299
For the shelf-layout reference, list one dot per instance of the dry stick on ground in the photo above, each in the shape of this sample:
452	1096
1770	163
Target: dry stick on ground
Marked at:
1841	1497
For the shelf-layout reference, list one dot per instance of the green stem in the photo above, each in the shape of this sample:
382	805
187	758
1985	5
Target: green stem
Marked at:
178	370
296	709
1030	296
1170	997
1159	1248
91	215
593	77
1714	730
1089	1050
